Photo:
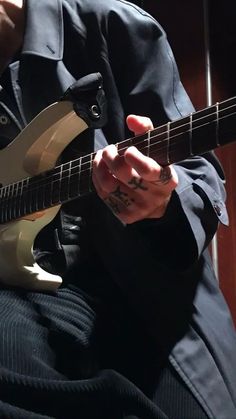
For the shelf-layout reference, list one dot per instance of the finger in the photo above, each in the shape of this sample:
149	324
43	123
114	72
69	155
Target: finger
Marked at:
139	124
148	169
110	171
165	176
117	164
145	166
103	179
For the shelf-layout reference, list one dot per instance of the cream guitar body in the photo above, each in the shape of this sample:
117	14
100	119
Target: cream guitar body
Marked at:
34	187
28	200
35	150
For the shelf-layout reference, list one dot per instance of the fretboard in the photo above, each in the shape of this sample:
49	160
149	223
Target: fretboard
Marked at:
192	135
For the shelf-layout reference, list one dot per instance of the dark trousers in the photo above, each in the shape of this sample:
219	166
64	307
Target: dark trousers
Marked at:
62	356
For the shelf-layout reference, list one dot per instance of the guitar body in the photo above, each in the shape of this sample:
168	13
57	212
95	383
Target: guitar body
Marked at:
17	264
35	150
34	187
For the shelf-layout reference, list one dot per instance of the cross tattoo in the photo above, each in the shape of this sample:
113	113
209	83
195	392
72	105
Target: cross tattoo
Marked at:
137	184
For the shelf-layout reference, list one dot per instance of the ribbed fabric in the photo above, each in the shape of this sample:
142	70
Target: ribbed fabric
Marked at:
49	364
62	356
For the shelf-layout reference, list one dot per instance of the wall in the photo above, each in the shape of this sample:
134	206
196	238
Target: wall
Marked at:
185	25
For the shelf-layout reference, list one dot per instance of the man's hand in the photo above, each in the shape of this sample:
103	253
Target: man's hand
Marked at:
132	185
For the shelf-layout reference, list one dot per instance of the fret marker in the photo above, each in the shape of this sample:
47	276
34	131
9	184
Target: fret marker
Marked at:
190	133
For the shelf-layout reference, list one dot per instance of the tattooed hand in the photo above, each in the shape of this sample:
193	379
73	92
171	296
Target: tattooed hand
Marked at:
132	185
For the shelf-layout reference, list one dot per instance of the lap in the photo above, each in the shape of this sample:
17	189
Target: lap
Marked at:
61	353
44	334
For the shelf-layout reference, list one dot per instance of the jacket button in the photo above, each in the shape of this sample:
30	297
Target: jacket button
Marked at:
4	120
217	210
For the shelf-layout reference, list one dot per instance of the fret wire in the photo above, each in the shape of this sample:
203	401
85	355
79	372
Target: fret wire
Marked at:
185	125
84	174
191	134
217	124
143	149
148	140
7	203
5	190
14	200
10	209
21	196
159	143
40	190
7	206
34	200
25	197
60	185
65	181
1	192
29	199
2	213
70	176
162	141
73	184
47	195
3	203
79	177
90	183
18	198
177	143
168	142
57	198
40	197
19	193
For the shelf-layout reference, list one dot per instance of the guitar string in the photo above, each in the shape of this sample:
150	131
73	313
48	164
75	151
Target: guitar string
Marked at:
6	212
36	186
160	142
129	141
144	147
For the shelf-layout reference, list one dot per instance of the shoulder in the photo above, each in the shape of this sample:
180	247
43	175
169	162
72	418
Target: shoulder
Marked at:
109	8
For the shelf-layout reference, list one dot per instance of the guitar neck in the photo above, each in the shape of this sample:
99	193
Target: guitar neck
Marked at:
192	135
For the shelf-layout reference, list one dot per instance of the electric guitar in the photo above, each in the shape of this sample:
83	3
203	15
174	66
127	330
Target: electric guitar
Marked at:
34	187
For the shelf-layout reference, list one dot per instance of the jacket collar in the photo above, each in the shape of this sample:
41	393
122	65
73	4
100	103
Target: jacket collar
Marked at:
44	29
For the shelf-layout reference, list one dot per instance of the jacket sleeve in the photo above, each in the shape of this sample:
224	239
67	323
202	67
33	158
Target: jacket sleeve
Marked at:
148	81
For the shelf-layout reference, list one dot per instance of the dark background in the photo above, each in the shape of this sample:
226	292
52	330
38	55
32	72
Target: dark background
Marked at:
200	32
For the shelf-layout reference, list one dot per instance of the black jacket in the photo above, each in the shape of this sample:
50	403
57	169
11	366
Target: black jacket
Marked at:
160	266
